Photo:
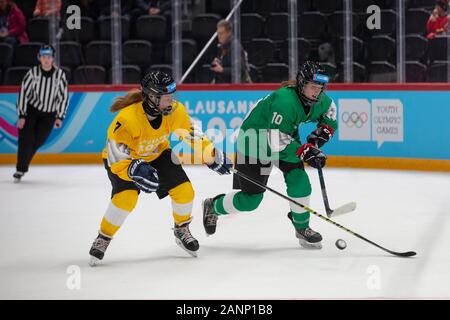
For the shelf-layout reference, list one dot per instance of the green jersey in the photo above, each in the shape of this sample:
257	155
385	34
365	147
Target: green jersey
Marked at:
270	130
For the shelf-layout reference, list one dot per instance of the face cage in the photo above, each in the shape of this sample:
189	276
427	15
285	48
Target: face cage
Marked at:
310	101
153	102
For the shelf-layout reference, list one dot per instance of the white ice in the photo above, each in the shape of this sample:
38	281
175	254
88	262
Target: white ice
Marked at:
49	221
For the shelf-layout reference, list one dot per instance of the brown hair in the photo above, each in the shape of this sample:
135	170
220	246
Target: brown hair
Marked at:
131	97
225	24
289	83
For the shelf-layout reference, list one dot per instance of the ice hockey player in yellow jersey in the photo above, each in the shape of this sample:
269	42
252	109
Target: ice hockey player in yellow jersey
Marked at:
137	157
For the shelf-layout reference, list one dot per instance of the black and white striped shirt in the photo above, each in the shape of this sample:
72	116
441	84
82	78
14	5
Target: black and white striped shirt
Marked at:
44	90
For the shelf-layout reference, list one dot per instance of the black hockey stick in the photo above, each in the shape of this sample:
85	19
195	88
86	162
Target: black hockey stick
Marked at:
400	254
349	207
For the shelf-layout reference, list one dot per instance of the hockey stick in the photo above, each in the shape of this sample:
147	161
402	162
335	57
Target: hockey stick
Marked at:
346	208
244	176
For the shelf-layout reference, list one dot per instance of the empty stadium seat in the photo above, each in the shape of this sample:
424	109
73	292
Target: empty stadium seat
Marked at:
89	74
423	3
277	26
98	53
303	47
416	47
70	54
85	34
104	26
336	23
416	21
130	74
261	51
382	48
382	71
311	25
189	51
68	73
166	68
38	29
6	54
204	26
221	8
359	73
151	28
438	48
26	54
252	26
14	75
358	49
438	71
137	52
415	71
275	72
327	6
388	23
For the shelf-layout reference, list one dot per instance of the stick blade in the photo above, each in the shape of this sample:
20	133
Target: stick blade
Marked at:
407	254
346	208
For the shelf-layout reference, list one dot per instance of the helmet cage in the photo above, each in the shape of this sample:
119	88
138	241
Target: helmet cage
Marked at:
151	95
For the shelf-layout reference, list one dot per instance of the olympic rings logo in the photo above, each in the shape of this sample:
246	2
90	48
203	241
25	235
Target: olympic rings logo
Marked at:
354	119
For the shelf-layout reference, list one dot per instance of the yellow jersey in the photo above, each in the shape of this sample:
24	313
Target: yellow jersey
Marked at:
131	136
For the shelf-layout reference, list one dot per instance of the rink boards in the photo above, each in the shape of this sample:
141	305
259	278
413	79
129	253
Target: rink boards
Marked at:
394	126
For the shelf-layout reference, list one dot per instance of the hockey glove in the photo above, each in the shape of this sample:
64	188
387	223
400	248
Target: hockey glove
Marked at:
221	164
321	135
311	155
143	175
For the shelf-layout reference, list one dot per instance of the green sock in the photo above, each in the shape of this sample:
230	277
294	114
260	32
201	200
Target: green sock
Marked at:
300	220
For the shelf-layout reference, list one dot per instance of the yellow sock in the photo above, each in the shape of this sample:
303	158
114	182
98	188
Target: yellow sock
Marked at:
118	210
182	199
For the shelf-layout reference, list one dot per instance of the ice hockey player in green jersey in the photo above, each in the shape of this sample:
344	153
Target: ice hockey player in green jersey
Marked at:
269	136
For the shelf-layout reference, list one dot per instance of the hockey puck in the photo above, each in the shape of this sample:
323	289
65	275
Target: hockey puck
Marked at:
341	244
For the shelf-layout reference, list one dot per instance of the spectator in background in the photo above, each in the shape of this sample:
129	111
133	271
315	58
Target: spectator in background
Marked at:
12	23
45	8
153	7
89	8
438	22
327	59
221	65
127	9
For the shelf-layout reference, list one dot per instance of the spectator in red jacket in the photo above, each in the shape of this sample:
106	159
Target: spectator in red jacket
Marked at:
438	21
12	23
45	8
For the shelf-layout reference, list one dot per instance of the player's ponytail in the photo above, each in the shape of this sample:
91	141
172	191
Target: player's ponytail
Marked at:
131	97
289	83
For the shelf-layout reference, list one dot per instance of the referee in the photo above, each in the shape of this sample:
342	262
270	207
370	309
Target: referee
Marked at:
41	105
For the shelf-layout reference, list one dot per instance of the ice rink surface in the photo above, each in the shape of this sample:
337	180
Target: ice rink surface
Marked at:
48	223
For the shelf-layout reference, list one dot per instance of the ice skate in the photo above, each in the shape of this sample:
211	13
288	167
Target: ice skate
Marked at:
209	216
18	176
308	238
184	238
98	249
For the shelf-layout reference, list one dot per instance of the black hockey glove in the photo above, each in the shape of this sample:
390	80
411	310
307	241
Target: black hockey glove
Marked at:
321	135
221	164
143	175
311	155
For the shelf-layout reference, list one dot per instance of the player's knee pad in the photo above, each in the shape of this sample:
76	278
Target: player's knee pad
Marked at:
125	200
297	183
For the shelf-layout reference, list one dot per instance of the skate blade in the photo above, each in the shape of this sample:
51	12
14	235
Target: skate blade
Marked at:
93	261
16	180
310	246
192	253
